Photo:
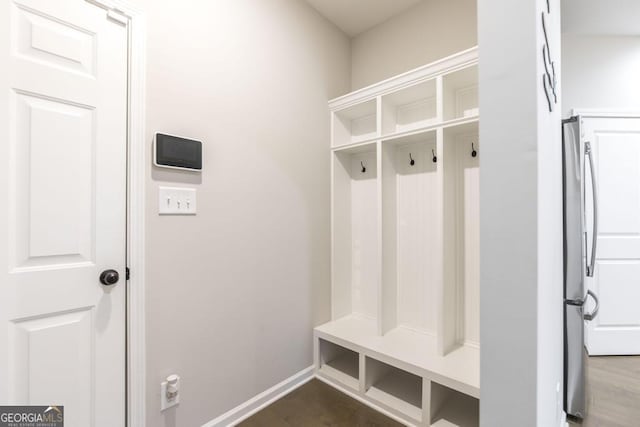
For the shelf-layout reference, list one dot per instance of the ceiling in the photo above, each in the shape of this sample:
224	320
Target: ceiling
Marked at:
601	17
598	17
356	16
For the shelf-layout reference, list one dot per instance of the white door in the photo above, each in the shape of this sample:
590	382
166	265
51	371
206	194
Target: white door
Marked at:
63	109
616	282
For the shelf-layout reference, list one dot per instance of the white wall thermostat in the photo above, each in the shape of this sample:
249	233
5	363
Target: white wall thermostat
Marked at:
176	152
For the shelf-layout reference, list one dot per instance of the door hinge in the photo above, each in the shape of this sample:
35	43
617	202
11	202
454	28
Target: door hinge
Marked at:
117	16
113	12
127	273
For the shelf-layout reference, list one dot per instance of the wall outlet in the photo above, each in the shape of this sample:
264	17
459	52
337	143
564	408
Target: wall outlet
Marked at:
170	392
176	201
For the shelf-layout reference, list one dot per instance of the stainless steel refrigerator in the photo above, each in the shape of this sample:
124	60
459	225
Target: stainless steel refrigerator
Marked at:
578	179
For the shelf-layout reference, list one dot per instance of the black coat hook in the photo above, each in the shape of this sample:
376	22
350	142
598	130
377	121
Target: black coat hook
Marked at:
474	153
364	169
411	161
435	158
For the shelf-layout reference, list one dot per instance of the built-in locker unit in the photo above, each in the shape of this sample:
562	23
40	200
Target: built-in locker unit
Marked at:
404	330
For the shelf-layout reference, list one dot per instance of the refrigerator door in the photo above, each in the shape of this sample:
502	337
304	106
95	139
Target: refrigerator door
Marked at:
574	219
574	268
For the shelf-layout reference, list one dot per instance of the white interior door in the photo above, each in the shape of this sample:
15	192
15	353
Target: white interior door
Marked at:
616	282
63	86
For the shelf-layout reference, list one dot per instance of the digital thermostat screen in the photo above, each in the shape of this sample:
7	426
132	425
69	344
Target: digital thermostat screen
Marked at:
176	152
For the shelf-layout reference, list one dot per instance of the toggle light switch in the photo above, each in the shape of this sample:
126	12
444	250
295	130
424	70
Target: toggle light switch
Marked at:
177	201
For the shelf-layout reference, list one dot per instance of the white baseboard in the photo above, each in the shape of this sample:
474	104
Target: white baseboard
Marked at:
253	405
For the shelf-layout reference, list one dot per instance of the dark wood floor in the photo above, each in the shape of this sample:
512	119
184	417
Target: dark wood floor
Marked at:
317	404
613	392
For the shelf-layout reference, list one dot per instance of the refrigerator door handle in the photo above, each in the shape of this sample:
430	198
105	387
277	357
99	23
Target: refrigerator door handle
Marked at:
594	313
594	188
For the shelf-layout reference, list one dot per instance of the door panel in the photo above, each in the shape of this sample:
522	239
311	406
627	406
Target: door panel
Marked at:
615	278
54	218
36	355
616	146
63	118
44	39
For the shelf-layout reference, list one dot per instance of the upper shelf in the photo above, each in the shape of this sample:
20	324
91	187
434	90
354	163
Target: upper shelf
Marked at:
460	93
410	108
355	124
437	94
458	60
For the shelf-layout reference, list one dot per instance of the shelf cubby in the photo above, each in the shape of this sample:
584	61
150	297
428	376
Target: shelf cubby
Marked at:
411	232
339	364
461	227
355	257
450	408
460	94
355	124
410	108
394	388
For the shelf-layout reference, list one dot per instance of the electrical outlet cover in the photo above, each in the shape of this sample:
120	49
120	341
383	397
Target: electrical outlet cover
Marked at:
164	403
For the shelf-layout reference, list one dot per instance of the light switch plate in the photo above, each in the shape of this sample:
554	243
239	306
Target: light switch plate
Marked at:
177	201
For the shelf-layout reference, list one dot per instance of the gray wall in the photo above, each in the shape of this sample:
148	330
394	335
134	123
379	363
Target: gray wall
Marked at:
600	72
521	219
233	293
426	32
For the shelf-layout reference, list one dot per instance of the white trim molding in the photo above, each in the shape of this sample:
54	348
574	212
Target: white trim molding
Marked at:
130	15
255	404
448	64
136	340
595	113
133	17
136	318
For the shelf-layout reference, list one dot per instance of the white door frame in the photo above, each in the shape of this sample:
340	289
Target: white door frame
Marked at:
136	340
596	113
136	165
